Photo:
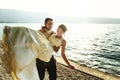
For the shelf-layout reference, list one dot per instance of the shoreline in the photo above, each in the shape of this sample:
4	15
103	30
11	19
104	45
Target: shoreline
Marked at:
64	73
91	71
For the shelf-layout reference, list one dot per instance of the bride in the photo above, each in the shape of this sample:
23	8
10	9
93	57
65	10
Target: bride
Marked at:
22	46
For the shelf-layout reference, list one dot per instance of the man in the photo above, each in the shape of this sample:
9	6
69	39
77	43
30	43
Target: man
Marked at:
51	65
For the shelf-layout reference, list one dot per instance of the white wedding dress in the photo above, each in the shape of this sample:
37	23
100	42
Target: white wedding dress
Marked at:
22	46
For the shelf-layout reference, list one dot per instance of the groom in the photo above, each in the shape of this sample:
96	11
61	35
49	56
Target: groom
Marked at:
51	65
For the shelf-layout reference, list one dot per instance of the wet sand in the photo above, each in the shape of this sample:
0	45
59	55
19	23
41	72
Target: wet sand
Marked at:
65	73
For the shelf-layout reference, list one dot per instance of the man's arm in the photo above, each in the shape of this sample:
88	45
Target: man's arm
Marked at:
63	54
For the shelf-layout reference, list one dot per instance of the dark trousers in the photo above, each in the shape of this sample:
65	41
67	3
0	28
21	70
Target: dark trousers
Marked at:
50	66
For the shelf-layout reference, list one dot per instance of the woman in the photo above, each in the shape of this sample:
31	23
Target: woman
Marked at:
57	41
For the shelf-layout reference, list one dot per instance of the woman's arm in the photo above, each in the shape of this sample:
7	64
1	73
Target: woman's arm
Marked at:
63	54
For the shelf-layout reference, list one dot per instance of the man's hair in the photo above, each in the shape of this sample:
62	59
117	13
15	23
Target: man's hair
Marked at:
63	27
47	19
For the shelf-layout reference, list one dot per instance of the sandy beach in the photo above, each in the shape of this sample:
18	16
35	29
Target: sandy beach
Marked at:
63	72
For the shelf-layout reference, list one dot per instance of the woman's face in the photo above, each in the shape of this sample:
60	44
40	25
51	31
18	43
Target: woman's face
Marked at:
60	32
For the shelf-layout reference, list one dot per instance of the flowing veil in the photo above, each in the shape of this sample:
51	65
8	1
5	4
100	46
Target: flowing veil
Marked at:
22	46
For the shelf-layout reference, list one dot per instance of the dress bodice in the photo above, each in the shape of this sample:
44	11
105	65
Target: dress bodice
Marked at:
55	41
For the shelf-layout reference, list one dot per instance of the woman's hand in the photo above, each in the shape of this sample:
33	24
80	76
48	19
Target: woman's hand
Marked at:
56	49
72	67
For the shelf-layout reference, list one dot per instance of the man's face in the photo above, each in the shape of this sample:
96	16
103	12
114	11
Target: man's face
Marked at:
49	24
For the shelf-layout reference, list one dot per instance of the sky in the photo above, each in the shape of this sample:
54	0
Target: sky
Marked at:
75	8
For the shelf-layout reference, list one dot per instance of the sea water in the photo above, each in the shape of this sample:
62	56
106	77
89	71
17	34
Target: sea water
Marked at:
93	45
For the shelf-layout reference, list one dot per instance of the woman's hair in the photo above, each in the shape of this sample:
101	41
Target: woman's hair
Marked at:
63	27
